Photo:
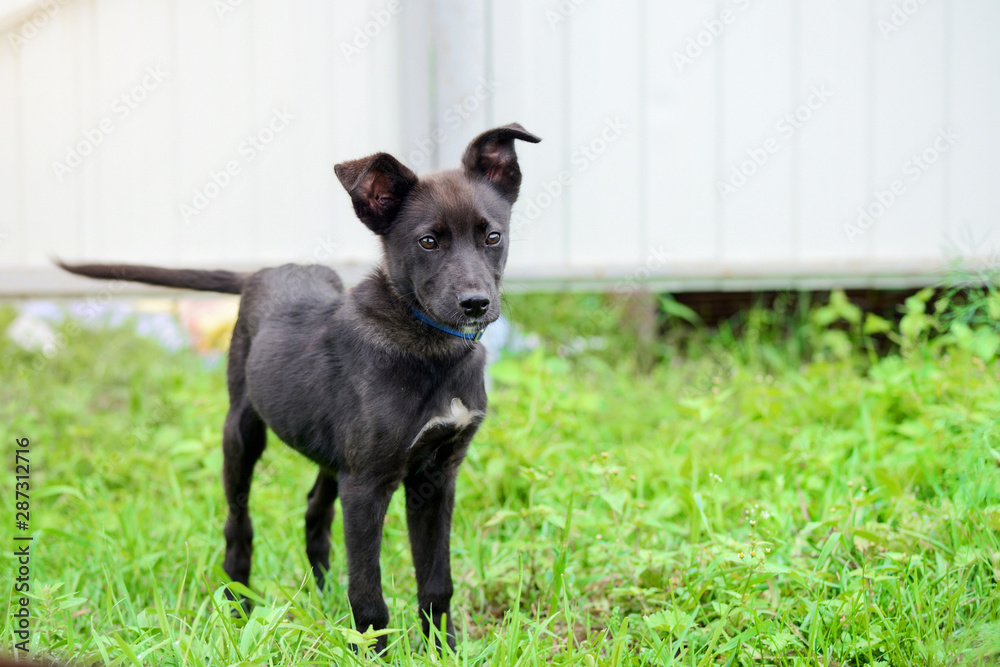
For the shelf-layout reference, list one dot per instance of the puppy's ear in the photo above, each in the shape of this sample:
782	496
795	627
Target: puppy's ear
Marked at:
378	185
491	156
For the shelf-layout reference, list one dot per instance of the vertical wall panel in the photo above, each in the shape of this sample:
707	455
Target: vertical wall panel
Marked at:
12	242
416	122
531	73
352	123
680	197
604	113
218	114
383	93
756	70
833	144
284	37
459	29
298	73
909	110
51	91
973	221
129	208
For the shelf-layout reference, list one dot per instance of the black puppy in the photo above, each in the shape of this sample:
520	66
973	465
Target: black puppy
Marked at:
378	385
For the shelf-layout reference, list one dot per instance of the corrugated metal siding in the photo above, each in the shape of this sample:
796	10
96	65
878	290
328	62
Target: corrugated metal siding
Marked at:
645	107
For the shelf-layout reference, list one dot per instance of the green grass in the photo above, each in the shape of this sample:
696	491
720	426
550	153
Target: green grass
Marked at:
780	495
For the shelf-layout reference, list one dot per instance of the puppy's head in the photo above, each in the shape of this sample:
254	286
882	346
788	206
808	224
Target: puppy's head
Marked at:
444	235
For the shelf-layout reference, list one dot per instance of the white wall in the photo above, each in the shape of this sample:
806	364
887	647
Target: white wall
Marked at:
663	124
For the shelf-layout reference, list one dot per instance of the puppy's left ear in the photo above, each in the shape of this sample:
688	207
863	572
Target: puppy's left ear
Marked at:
491	156
378	184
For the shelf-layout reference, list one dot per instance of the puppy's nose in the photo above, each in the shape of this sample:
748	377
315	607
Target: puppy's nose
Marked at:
474	305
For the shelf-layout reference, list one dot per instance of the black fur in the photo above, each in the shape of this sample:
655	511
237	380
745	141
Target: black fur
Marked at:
355	382
210	281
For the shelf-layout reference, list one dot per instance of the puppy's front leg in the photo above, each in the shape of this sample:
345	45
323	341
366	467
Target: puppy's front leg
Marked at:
364	505
430	499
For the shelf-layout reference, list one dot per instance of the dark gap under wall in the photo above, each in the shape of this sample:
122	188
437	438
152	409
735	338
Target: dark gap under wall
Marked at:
716	307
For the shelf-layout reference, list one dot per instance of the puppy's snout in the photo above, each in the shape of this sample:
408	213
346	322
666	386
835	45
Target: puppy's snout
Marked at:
474	305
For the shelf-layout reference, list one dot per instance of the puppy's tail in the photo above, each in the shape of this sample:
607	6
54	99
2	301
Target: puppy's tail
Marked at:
226	282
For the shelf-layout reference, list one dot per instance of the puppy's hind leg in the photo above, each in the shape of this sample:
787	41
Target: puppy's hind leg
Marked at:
319	516
243	440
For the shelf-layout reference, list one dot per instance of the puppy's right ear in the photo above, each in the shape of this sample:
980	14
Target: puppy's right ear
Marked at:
378	185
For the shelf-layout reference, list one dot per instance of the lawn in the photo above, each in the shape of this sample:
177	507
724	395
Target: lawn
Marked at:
806	485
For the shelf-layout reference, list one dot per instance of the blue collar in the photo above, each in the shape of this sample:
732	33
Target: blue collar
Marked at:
474	335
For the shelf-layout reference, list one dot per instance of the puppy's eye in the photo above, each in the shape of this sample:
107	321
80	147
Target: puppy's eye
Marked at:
493	238
428	243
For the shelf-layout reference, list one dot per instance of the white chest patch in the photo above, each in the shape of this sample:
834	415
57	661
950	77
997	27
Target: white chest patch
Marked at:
456	418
